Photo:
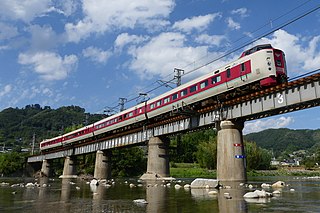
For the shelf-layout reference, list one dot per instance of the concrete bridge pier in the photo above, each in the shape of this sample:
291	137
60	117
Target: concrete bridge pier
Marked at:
45	169
69	169
102	169
231	164
158	159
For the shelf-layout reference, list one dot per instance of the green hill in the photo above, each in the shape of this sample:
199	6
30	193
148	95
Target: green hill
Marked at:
285	140
17	126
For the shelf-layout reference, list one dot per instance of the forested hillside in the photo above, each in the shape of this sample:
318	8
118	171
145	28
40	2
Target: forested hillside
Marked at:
285	140
17	126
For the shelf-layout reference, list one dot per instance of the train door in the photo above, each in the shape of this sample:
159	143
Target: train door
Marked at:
229	82
243	73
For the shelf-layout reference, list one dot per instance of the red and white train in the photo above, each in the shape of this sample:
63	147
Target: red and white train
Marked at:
262	64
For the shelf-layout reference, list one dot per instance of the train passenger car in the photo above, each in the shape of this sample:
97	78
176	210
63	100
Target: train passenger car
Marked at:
78	135
51	143
261	66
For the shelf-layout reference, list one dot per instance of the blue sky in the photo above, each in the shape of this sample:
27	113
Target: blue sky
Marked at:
90	53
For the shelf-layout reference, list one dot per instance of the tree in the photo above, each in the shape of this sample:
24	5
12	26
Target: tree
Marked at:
256	158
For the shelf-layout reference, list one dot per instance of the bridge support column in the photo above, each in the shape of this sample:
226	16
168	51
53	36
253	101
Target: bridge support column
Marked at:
69	169
230	152
158	159
45	169
102	169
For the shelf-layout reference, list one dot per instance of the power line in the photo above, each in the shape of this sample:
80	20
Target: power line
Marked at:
165	83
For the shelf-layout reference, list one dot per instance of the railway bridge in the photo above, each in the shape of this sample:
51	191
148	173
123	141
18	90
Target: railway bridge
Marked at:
226	116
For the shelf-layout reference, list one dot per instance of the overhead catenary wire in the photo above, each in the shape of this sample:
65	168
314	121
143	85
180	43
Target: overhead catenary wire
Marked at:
231	51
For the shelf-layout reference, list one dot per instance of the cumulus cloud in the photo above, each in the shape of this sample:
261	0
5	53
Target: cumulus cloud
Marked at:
299	57
242	12
124	38
101	16
7	89
24	10
7	31
195	23
49	65
43	37
232	24
210	39
259	125
162	54
96	54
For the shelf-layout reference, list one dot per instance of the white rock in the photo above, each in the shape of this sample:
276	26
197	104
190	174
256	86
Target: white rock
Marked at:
140	201
187	186
94	182
292	190
279	184
177	186
203	183
29	185
213	192
257	194
265	185
131	185
276	192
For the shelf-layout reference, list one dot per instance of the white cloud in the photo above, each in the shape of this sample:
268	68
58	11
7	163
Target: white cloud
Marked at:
25	10
232	24
7	89
299	58
7	31
274	123
242	12
124	38
43	37
96	55
101	16
49	65
164	53
210	40
198	23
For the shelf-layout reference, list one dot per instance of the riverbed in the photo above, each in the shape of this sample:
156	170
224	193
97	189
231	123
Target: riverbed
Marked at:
300	194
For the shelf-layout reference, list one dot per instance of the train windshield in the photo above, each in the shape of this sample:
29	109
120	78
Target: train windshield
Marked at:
256	48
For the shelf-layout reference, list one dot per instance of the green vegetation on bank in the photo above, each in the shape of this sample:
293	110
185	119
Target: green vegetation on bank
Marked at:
191	155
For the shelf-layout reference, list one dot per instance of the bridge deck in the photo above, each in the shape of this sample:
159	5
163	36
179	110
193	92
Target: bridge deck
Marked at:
297	95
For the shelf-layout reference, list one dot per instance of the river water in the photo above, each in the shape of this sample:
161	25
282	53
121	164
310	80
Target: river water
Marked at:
301	194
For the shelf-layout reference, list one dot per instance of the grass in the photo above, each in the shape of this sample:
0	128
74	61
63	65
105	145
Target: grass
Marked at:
191	170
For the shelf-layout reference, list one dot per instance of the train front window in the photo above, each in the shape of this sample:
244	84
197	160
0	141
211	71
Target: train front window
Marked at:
278	61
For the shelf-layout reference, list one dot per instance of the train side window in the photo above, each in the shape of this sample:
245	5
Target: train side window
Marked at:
175	96
243	67
203	84
166	100
216	79
193	88
130	114
228	73
158	103
152	106
184	92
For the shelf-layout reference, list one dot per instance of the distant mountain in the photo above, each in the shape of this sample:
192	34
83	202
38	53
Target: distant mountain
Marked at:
280	140
17	126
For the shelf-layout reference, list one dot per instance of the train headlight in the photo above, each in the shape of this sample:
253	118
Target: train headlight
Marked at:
269	61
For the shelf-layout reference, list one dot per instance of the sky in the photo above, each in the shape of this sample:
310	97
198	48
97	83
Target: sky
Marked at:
90	53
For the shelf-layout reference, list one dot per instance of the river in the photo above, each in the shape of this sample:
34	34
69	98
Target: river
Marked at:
301	194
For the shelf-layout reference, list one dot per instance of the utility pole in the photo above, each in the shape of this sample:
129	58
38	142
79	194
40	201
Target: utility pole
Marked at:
33	141
121	103
178	74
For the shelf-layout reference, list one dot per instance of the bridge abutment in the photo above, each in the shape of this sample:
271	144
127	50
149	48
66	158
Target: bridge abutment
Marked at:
158	159
102	169
230	152
69	169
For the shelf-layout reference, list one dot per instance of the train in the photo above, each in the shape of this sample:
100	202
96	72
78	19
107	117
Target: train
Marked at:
262	66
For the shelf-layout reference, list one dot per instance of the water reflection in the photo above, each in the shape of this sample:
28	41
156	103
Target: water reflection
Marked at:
230	198
155	196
